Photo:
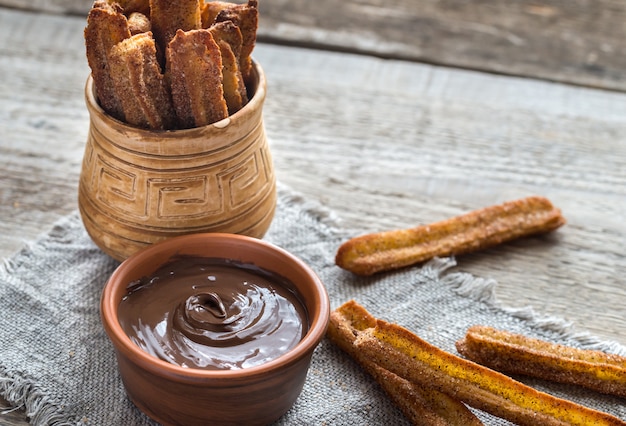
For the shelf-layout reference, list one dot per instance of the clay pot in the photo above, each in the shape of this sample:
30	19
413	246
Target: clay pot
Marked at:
138	187
173	395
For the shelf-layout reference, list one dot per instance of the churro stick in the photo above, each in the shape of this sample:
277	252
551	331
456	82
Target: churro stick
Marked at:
167	17
106	26
131	6
517	354
403	353
246	17
479	229
211	9
141	87
194	65
138	23
421	405
229	39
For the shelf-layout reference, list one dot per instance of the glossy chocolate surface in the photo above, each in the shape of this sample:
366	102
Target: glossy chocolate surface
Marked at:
211	313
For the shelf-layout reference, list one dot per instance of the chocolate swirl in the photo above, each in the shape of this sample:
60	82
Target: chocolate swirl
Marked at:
209	313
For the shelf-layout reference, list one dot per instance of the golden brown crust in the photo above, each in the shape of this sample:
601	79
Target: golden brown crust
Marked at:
106	26
229	39
131	6
405	354
479	229
194	67
421	405
169	16
517	354
210	10
137	77
246	17
138	23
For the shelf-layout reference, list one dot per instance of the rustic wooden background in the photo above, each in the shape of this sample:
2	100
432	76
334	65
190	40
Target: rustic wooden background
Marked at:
392	114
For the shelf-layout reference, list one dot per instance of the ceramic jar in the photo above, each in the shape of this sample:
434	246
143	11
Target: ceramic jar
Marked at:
138	187
175	395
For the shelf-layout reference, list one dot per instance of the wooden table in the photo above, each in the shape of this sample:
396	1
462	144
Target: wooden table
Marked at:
391	115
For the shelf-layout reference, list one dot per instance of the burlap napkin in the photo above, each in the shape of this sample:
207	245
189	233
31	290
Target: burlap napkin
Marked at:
56	361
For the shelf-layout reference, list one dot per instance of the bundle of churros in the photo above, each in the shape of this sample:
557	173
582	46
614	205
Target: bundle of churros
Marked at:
166	65
435	387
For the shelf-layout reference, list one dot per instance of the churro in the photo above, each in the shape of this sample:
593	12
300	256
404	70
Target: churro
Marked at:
106	26
513	353
131	6
421	405
210	10
194	66
136	74
246	17
168	17
479	229
138	23
405	354
228	37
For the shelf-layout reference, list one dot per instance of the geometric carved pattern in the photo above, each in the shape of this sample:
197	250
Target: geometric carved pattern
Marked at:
212	190
241	179
186	197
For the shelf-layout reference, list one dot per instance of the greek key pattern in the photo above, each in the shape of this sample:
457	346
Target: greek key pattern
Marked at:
192	193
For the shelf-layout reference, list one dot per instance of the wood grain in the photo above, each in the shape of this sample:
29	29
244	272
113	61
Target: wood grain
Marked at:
383	143
572	41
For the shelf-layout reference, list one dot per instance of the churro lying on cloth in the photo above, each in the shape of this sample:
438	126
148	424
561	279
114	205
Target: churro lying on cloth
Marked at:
479	229
517	354
421	405
401	352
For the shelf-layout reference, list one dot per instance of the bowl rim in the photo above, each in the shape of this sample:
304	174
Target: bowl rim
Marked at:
123	344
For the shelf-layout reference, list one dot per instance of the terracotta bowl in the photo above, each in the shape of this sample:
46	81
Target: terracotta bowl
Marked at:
173	395
138	187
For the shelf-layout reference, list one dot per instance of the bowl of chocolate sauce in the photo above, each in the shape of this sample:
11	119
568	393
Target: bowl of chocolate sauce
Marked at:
214	328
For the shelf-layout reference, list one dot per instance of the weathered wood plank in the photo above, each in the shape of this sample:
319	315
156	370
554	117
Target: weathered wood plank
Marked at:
573	41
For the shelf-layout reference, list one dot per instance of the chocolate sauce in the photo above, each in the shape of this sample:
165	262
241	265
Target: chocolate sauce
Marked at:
213	314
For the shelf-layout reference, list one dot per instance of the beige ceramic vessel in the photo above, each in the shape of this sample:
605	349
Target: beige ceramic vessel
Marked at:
138	187
174	395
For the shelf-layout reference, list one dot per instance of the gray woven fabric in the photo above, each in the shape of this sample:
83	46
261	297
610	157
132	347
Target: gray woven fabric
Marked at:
56	360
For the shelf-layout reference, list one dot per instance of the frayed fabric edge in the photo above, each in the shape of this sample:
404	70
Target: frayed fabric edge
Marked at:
31	248
15	388
38	406
483	290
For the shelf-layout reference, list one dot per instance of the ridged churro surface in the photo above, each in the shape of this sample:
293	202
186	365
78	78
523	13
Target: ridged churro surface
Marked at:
194	66
136	74
377	344
479	229
106	26
517	354
168	17
421	405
